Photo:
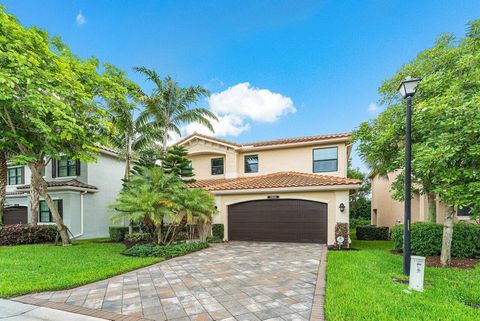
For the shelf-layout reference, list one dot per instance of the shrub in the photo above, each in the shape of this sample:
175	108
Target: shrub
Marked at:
360	221
27	234
426	239
166	251
138	238
372	232
117	233
217	231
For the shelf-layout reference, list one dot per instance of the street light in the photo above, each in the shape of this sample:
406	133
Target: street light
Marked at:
407	89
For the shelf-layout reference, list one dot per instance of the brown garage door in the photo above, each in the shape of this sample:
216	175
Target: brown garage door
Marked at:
278	220
16	215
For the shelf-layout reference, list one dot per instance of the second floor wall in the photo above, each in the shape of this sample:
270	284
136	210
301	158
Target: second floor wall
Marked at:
216	161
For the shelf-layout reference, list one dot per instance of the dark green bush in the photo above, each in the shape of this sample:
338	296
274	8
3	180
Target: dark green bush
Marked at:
372	232
217	231
166	251
27	234
360	221
138	237
117	233
426	239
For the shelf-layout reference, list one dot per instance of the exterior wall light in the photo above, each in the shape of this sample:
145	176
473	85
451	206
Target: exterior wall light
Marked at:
342	207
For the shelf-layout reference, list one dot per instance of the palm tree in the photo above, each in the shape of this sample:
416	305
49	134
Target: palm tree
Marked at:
149	193
170	106
195	206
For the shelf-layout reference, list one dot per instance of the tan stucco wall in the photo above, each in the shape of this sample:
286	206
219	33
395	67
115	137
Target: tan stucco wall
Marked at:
331	198
298	159
389	211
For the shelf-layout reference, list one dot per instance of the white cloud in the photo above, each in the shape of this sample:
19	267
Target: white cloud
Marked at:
80	19
372	108
227	125
236	106
245	101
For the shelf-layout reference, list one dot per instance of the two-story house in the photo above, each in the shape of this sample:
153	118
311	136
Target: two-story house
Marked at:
292	190
82	192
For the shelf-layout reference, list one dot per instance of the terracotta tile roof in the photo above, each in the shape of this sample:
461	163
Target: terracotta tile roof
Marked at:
270	142
298	140
207	137
275	180
63	183
15	193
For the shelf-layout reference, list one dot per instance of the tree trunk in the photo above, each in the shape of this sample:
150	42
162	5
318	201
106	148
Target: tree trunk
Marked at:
447	237
127	171
179	227
3	183
34	193
43	190
158	234
432	208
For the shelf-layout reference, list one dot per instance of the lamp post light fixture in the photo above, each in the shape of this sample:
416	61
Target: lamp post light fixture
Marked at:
407	89
341	207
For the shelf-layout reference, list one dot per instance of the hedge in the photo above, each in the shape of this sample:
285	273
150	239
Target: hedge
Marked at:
217	231
166	251
372	233
426	239
27	234
117	233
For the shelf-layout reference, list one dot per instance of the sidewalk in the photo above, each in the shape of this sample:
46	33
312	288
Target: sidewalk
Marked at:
16	311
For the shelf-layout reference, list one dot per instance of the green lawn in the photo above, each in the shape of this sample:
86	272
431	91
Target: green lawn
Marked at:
360	287
35	268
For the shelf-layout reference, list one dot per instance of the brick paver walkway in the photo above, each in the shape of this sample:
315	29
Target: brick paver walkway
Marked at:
235	281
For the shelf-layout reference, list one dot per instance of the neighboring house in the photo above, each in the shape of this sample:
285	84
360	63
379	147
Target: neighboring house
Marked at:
292	190
82	192
387	212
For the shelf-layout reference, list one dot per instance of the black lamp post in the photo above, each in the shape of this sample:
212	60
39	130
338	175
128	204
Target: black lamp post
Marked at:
407	89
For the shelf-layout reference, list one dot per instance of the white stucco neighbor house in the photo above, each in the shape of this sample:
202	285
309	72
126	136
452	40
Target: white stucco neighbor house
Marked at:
82	192
292	190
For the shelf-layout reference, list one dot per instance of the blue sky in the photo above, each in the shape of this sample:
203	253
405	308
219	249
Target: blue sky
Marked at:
276	68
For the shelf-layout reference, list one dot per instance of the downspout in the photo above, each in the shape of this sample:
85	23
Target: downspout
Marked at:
81	215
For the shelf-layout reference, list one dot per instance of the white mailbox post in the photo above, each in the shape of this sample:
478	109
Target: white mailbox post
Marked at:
417	271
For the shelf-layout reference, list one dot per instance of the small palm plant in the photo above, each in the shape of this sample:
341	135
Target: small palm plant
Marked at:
150	194
196	208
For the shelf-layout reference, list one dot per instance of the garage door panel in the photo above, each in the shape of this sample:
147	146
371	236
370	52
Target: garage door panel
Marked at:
16	215
285	220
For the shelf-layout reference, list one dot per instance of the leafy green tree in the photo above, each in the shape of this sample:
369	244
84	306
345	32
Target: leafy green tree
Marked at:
47	102
175	161
445	127
170	106
149	193
360	203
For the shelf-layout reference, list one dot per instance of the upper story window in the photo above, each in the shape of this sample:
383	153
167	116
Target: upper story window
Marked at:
325	160
15	176
44	214
217	166
465	211
66	167
251	164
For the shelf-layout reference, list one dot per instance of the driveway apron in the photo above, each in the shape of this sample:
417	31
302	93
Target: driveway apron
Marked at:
234	281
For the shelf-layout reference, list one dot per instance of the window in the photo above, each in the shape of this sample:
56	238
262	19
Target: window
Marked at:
217	166
44	214
251	164
325	160
464	211
67	167
15	176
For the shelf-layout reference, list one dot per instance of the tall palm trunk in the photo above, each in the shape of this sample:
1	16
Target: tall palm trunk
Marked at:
43	191
447	237
3	183
432	208
34	194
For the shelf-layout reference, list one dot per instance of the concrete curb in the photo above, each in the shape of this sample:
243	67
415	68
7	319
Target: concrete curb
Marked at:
319	296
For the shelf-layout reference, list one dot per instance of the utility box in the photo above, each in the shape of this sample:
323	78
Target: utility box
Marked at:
417	271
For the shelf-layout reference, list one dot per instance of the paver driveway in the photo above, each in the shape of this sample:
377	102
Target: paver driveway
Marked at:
235	281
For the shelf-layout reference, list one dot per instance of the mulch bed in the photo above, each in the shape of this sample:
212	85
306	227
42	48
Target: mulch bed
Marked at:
456	263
